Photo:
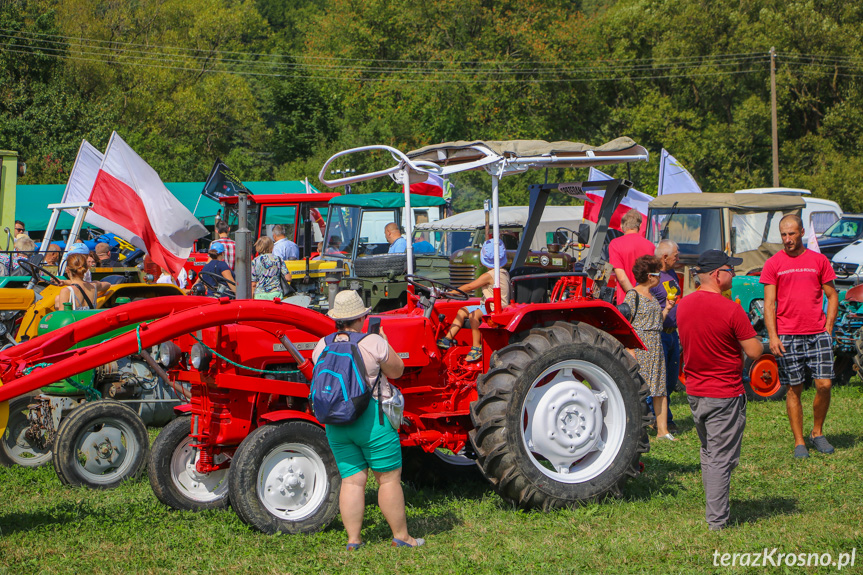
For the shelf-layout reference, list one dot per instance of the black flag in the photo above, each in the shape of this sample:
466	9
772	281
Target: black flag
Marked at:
222	182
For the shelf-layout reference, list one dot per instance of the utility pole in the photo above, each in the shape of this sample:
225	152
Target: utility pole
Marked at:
773	117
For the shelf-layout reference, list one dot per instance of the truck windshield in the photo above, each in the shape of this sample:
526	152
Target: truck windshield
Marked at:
694	229
441	243
844	229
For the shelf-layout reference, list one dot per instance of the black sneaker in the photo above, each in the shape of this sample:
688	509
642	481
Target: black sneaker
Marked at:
821	444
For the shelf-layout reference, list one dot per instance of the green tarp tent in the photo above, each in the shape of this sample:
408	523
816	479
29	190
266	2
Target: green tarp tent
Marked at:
32	201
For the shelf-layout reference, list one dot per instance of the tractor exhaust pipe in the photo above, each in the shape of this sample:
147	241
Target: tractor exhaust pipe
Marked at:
304	365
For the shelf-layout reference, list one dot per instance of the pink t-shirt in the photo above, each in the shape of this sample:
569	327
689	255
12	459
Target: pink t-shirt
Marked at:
374	349
799	292
711	328
622	253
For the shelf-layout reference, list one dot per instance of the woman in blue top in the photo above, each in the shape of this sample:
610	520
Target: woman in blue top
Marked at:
216	265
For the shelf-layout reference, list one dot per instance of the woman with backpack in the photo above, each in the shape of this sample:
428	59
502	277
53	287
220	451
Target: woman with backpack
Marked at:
369	441
266	269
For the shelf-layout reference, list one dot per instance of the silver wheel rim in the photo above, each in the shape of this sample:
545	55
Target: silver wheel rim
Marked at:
195	486
17	446
573	421
292	481
106	449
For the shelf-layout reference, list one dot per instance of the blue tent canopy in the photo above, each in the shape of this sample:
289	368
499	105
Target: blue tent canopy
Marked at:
31	201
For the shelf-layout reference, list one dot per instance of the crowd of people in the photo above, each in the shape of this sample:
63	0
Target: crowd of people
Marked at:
710	334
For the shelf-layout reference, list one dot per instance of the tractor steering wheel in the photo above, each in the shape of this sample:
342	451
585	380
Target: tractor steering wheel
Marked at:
35	268
220	279
443	290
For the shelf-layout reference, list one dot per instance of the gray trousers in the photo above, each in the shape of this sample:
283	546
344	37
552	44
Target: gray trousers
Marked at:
720	424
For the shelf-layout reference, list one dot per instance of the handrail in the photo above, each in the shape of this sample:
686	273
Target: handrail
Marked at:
421	166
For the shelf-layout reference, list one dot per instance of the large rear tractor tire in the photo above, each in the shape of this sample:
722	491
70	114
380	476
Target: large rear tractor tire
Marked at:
561	418
15	447
761	378
381	265
284	479
174	477
101	445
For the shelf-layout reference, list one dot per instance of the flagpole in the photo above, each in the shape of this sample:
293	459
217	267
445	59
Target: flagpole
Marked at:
195	211
662	156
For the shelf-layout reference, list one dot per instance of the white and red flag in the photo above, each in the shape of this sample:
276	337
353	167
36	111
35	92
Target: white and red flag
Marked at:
633	200
433	186
129	195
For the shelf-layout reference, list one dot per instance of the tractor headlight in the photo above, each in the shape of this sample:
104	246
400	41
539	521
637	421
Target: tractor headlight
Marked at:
200	357
169	354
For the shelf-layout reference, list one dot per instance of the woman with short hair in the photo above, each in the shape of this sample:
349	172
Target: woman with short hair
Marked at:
266	269
647	321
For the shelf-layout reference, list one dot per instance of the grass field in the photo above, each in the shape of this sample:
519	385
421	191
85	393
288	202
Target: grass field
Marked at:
811	506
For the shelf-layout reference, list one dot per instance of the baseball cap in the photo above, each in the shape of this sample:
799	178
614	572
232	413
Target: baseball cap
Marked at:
78	248
712	260
217	247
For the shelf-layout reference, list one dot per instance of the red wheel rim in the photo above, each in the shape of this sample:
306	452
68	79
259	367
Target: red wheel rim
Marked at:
764	376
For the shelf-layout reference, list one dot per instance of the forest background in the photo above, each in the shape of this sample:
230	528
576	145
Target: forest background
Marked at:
274	87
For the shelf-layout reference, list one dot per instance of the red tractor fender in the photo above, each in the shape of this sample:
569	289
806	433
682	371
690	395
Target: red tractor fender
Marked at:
600	314
288	414
185	409
50	348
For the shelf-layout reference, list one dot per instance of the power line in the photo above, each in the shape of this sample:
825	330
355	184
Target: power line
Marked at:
425	80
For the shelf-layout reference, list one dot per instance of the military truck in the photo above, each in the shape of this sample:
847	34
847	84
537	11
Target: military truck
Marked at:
355	239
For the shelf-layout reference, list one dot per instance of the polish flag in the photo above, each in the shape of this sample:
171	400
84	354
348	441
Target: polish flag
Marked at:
812	239
129	193
433	186
634	199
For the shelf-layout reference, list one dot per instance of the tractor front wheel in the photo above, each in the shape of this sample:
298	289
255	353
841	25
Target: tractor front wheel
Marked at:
101	445
560	417
284	479
173	474
16	448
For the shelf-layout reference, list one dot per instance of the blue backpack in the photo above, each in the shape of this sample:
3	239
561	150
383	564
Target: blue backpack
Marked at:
340	391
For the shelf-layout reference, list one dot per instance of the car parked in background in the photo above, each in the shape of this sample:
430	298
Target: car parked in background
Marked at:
842	233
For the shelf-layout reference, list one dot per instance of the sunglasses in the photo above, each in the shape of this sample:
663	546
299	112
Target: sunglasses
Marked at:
19	229
654	274
729	270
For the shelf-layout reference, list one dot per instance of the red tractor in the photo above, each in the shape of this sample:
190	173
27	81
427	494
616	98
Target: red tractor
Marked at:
554	414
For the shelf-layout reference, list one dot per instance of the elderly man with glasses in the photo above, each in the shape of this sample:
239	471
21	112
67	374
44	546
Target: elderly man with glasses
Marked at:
713	330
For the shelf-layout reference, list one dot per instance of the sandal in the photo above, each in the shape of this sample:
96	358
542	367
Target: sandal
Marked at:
475	354
444	343
667	436
400	543
355	546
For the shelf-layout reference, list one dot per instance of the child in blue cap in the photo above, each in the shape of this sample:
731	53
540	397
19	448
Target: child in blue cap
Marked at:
474	313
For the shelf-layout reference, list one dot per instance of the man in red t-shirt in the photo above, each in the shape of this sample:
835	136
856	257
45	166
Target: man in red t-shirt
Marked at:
713	329
795	283
623	251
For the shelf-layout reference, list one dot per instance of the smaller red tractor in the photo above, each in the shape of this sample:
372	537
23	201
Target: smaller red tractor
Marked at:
553	415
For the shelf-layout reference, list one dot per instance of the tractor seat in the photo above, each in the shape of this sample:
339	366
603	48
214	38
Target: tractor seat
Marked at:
529	291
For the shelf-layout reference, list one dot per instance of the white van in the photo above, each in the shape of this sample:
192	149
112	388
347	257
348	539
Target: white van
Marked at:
818	212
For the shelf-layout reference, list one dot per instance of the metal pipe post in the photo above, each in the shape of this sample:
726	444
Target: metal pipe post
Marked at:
243	260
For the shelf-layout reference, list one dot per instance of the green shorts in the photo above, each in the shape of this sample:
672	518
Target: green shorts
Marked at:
365	443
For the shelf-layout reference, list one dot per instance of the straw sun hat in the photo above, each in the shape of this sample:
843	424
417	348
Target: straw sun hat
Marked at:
348	305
